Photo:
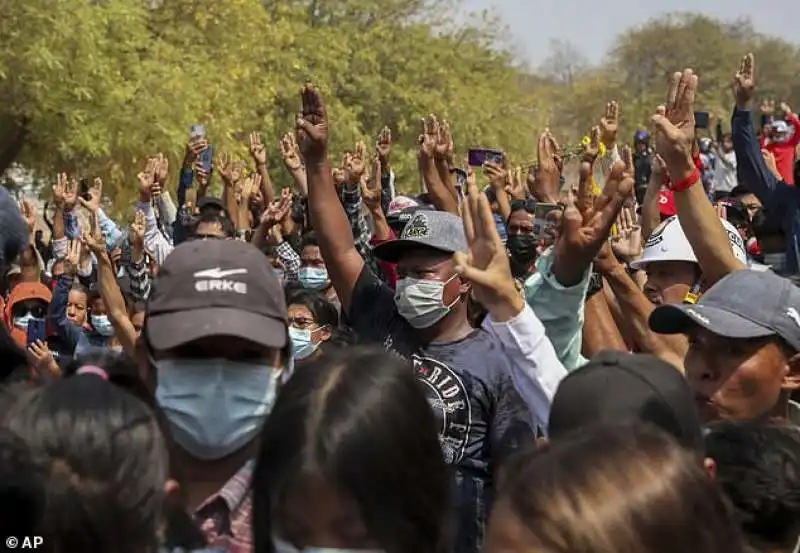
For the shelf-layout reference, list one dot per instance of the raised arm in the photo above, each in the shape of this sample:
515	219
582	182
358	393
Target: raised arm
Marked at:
327	216
675	137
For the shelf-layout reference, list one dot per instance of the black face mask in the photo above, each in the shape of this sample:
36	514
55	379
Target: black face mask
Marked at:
522	247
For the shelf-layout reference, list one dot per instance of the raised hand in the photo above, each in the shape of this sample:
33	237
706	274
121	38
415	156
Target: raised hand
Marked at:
486	264
583	234
592	149
786	109
161	169
628	242
445	148
42	358
371	186
137	230
516	184
95	196
257	149
675	127
546	179
356	164
744	85
383	147
28	210
202	178
193	149
59	188
147	180
291	153
772	165
312	126
73	257
228	171
93	238
497	175
767	106
609	124
427	141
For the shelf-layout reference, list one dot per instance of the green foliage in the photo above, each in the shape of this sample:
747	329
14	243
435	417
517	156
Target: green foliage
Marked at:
103	84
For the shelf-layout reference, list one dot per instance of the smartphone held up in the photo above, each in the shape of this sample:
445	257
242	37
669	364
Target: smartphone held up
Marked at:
197	133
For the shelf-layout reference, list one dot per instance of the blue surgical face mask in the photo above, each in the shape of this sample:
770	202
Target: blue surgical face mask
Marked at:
102	325
302	345
313	278
281	546
215	406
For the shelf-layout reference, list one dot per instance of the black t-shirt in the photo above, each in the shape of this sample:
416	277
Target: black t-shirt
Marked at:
481	416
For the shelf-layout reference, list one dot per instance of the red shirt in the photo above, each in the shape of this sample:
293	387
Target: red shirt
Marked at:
784	151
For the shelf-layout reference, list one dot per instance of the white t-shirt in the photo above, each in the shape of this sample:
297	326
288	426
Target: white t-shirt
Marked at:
725	173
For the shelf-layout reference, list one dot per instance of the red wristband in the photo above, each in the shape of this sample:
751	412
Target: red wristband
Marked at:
685	183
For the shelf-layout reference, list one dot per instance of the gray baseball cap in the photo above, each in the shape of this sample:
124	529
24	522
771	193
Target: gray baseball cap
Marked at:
433	230
745	304
216	288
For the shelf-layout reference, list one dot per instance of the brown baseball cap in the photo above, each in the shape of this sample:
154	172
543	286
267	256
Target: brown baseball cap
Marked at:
216	288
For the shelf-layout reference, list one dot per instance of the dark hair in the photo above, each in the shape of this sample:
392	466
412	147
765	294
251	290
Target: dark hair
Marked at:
758	468
323	310
124	374
104	461
22	491
308	239
78	287
208	216
617	488
528	205
358	417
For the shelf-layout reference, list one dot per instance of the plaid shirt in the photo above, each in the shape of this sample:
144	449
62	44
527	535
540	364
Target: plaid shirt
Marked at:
290	260
362	235
139	274
226	517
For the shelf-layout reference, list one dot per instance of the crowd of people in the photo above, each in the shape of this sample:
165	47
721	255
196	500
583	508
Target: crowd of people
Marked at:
524	364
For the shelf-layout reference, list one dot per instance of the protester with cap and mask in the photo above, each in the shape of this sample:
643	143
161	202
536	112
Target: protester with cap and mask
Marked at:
782	139
215	348
465	376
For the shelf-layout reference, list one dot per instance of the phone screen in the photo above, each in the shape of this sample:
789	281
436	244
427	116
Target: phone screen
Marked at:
544	220
206	157
36	331
701	119
197	132
478	156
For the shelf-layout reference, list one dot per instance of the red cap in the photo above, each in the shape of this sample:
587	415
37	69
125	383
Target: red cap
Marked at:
666	203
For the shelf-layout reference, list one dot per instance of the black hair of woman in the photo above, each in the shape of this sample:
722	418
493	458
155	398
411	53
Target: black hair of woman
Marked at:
105	463
121	371
356	424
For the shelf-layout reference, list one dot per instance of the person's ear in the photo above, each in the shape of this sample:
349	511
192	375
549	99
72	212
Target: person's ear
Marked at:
791	380
465	287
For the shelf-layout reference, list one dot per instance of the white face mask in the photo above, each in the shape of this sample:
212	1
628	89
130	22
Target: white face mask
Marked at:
286	547
421	302
215	406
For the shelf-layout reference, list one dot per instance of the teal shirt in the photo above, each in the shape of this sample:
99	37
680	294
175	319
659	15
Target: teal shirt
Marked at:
560	309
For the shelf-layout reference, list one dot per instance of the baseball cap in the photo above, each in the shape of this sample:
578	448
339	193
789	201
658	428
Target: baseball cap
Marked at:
745	304
780	126
401	203
666	203
435	230
620	387
210	201
668	242
216	288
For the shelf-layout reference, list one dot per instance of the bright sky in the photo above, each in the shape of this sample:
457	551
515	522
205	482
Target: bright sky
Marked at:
592	26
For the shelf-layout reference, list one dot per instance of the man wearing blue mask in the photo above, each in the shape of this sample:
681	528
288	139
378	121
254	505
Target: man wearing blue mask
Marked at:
313	274
464	373
216	347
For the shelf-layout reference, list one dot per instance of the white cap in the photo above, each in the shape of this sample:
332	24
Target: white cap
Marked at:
668	243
